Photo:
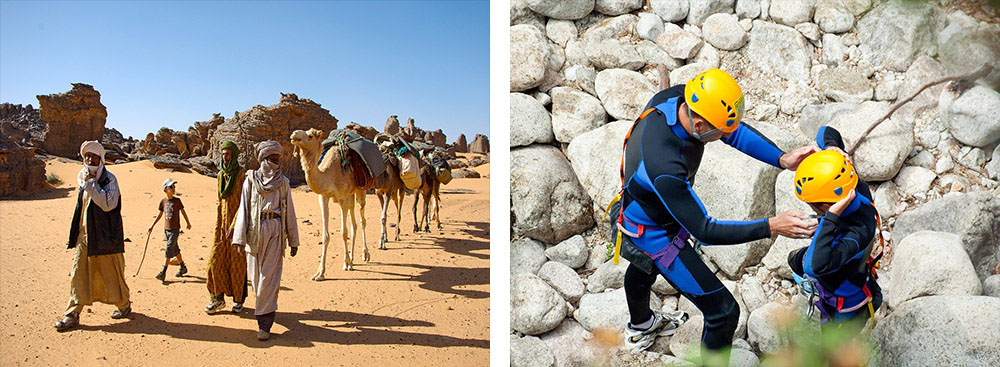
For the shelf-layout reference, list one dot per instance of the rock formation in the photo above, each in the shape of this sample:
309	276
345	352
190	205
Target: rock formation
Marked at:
20	171
391	125
71	118
480	144
275	122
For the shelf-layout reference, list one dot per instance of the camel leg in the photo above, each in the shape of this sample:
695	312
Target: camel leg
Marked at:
399	210
416	200
360	197
437	208
425	219
383	200
347	208
324	210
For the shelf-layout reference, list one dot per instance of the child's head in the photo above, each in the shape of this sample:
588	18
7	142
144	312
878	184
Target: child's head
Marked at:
169	187
824	178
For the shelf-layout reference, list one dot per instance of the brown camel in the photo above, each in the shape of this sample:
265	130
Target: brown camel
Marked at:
429	189
329	180
389	187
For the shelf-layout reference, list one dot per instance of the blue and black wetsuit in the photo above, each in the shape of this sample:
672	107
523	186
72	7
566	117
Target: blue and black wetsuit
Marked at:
837	256
661	160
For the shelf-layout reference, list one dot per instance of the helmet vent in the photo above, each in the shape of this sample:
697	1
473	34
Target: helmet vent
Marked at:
694	97
838	190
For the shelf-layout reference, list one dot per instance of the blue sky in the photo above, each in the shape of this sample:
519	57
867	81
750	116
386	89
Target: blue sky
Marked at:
173	63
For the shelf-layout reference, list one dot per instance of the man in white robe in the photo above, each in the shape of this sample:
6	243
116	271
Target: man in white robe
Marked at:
265	224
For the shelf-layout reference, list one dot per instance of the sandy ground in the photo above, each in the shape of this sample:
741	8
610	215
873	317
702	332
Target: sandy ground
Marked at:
424	301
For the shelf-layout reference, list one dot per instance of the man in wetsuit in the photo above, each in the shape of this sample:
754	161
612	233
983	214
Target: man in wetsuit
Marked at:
660	210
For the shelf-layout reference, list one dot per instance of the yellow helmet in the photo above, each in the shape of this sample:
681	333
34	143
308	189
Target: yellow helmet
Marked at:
704	93
824	177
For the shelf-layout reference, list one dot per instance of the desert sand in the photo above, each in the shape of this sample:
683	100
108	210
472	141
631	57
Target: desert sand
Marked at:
424	301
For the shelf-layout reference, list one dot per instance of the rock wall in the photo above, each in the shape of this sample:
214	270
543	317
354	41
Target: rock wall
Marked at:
71	118
582	70
20	170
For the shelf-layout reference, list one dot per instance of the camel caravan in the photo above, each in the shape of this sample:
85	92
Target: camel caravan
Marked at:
344	166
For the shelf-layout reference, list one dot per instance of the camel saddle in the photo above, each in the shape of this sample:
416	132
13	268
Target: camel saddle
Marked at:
361	152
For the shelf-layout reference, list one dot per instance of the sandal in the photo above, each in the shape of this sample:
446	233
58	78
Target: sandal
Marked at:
121	314
67	323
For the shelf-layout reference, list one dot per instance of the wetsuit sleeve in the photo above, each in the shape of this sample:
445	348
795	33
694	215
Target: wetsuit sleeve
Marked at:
751	142
684	205
829	137
795	260
830	248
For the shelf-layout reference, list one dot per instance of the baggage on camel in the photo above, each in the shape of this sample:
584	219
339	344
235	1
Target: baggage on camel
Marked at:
360	153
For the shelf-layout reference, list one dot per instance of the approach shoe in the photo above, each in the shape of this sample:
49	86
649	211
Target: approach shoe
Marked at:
162	276
237	307
215	307
663	325
180	272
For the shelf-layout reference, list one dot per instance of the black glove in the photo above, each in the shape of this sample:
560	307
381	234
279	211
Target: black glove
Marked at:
295	250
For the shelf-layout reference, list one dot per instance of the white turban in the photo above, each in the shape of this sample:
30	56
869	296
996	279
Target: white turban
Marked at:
267	148
95	147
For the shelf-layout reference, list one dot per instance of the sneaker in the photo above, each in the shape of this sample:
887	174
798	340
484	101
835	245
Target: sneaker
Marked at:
180	272
237	307
215	307
663	325
263	335
162	276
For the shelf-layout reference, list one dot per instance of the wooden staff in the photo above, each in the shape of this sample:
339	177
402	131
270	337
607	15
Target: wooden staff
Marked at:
143	255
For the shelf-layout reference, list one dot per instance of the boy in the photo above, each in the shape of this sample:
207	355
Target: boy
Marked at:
835	267
171	228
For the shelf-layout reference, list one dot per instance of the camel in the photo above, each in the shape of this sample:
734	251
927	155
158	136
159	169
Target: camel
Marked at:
389	187
329	180
430	189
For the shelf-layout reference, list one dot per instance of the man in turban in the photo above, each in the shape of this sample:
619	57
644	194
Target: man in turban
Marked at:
96	233
227	265
265	223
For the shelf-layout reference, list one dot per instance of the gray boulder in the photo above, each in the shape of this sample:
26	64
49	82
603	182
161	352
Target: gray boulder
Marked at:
724	32
574	113
529	121
940	331
686	341
915	181
678	42
607	310
520	13
779	50
886	199
563	9
776	259
563	279
581	77
572	252
623	92
930	263
791	12
654	54
560	31
834	51
596	157
670	10
734	186
972	216
607	276
613	28
972	118
530	351
832	16
844	84
534	306
685	73
966	44
991	285
752	292
763	327
923	70
547	201
617	7
896	32
529	53
817	115
993	168
882	153
612	54
526	256
748	9
570	344
699	10
649	26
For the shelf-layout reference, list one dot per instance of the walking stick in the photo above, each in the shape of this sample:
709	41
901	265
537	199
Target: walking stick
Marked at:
143	254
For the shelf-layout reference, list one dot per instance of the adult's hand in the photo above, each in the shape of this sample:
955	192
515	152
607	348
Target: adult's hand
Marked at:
841	151
791	225
295	250
791	160
839	206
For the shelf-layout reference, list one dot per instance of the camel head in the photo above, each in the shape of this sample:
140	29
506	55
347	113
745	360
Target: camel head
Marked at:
310	141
